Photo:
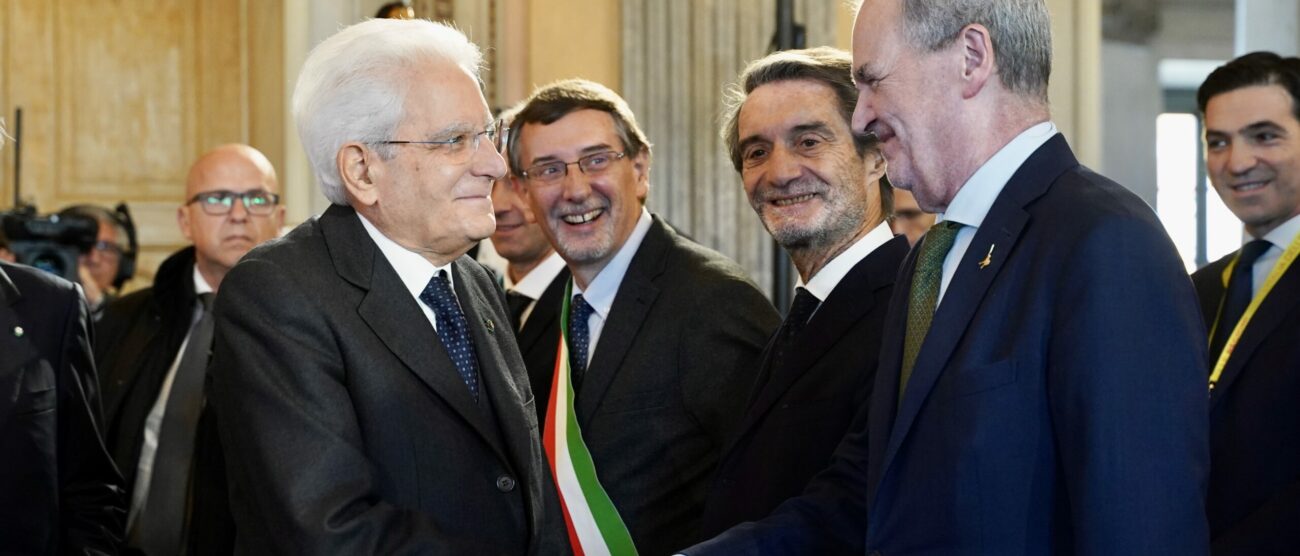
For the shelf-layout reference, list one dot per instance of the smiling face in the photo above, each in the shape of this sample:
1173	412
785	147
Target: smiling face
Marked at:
801	170
221	240
434	200
587	218
903	99
1252	153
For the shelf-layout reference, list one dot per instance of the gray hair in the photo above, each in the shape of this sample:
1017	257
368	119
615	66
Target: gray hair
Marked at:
352	87
1020	30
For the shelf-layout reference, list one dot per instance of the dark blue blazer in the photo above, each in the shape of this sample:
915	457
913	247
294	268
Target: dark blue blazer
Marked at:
1254	497
1058	405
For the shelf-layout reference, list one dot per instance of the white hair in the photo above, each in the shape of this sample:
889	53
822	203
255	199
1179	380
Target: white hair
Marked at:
353	87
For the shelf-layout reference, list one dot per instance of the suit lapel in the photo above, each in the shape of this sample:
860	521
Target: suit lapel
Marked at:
546	313
1275	308
636	294
18	351
506	394
390	311
847	304
1002	227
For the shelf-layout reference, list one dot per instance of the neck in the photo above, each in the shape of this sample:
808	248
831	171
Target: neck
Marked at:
518	269
810	260
988	131
212	273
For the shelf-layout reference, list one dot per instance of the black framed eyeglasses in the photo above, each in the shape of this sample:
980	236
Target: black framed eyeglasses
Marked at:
216	203
549	173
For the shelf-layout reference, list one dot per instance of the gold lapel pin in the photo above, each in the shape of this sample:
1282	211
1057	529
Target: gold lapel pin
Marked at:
491	327
988	259
18	332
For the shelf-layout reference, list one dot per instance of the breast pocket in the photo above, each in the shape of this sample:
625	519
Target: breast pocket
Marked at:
981	378
36	388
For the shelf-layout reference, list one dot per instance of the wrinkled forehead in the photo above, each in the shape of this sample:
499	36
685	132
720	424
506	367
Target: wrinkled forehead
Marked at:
442	96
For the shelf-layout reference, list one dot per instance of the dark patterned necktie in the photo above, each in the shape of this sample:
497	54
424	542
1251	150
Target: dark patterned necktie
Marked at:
924	295
159	525
579	338
517	303
453	329
1237	298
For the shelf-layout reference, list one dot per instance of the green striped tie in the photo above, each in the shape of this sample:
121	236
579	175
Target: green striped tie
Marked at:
925	294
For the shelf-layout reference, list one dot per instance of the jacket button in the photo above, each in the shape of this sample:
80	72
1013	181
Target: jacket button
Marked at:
505	483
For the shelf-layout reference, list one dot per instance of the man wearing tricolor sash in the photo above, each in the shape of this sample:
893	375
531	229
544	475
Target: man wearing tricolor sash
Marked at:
660	335
1251	303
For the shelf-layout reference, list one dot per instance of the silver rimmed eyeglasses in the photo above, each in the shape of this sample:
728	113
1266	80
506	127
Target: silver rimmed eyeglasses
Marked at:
216	203
458	145
550	173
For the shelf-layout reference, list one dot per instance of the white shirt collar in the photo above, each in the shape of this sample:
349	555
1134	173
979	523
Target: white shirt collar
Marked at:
824	281
414	270
977	195
539	278
201	286
600	292
1282	235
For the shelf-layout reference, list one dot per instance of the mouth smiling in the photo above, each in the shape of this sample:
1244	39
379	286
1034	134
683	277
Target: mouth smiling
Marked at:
1249	186
582	218
787	201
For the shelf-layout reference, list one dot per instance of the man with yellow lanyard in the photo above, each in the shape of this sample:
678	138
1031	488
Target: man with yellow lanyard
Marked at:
1251	303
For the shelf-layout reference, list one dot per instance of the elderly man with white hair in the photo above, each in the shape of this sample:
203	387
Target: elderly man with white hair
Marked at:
367	385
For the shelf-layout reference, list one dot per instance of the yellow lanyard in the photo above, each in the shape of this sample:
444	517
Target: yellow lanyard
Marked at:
1288	257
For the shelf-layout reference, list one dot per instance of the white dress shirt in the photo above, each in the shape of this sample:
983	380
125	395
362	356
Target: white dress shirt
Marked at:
414	270
601	291
1278	239
825	280
153	422
534	284
976	197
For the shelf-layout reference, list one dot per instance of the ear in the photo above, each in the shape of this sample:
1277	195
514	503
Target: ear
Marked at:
183	222
875	166
641	171
978	64
359	167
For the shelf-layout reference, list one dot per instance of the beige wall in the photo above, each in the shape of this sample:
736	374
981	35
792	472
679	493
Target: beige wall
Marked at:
574	38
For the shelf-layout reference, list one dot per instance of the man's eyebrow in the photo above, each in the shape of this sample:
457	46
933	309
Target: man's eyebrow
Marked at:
863	76
1263	125
815	127
600	147
750	140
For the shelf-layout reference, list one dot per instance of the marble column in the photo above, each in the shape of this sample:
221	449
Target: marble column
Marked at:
1267	25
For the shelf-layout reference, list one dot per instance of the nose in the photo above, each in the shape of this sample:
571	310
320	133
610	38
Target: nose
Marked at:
488	162
1241	158
783	166
575	184
238	212
863	112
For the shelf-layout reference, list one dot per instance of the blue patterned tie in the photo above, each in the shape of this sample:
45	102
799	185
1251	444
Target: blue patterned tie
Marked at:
453	330
579	337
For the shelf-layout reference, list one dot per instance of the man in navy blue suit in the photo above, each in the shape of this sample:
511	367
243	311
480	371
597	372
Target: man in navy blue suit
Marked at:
1042	383
1252	153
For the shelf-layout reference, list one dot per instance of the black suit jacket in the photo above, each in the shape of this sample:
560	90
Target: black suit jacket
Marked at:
540	337
140	336
668	381
1254	498
346	427
1058	404
805	407
59	490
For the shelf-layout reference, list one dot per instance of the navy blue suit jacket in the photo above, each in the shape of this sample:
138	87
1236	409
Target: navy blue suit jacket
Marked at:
1058	405
1254	497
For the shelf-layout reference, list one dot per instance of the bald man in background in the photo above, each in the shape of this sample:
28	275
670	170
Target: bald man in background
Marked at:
154	346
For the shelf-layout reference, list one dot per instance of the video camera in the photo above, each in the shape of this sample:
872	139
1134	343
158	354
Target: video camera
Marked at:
51	243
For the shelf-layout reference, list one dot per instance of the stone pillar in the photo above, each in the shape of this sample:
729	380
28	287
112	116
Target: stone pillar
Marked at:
1267	25
1131	95
1075	89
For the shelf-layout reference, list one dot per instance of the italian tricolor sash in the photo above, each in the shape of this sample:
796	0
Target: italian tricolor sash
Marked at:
595	528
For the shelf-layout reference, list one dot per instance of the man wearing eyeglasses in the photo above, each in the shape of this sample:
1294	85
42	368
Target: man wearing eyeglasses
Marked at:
368	390
153	348
663	334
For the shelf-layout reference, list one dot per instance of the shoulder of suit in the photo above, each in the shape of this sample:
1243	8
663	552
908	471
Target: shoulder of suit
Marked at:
38	284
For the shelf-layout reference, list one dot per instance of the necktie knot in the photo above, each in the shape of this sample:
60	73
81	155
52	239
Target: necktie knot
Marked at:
801	309
1238	294
518	304
206	300
1251	252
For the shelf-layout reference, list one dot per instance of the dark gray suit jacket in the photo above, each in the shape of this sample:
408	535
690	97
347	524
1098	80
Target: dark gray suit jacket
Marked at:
346	427
668	383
